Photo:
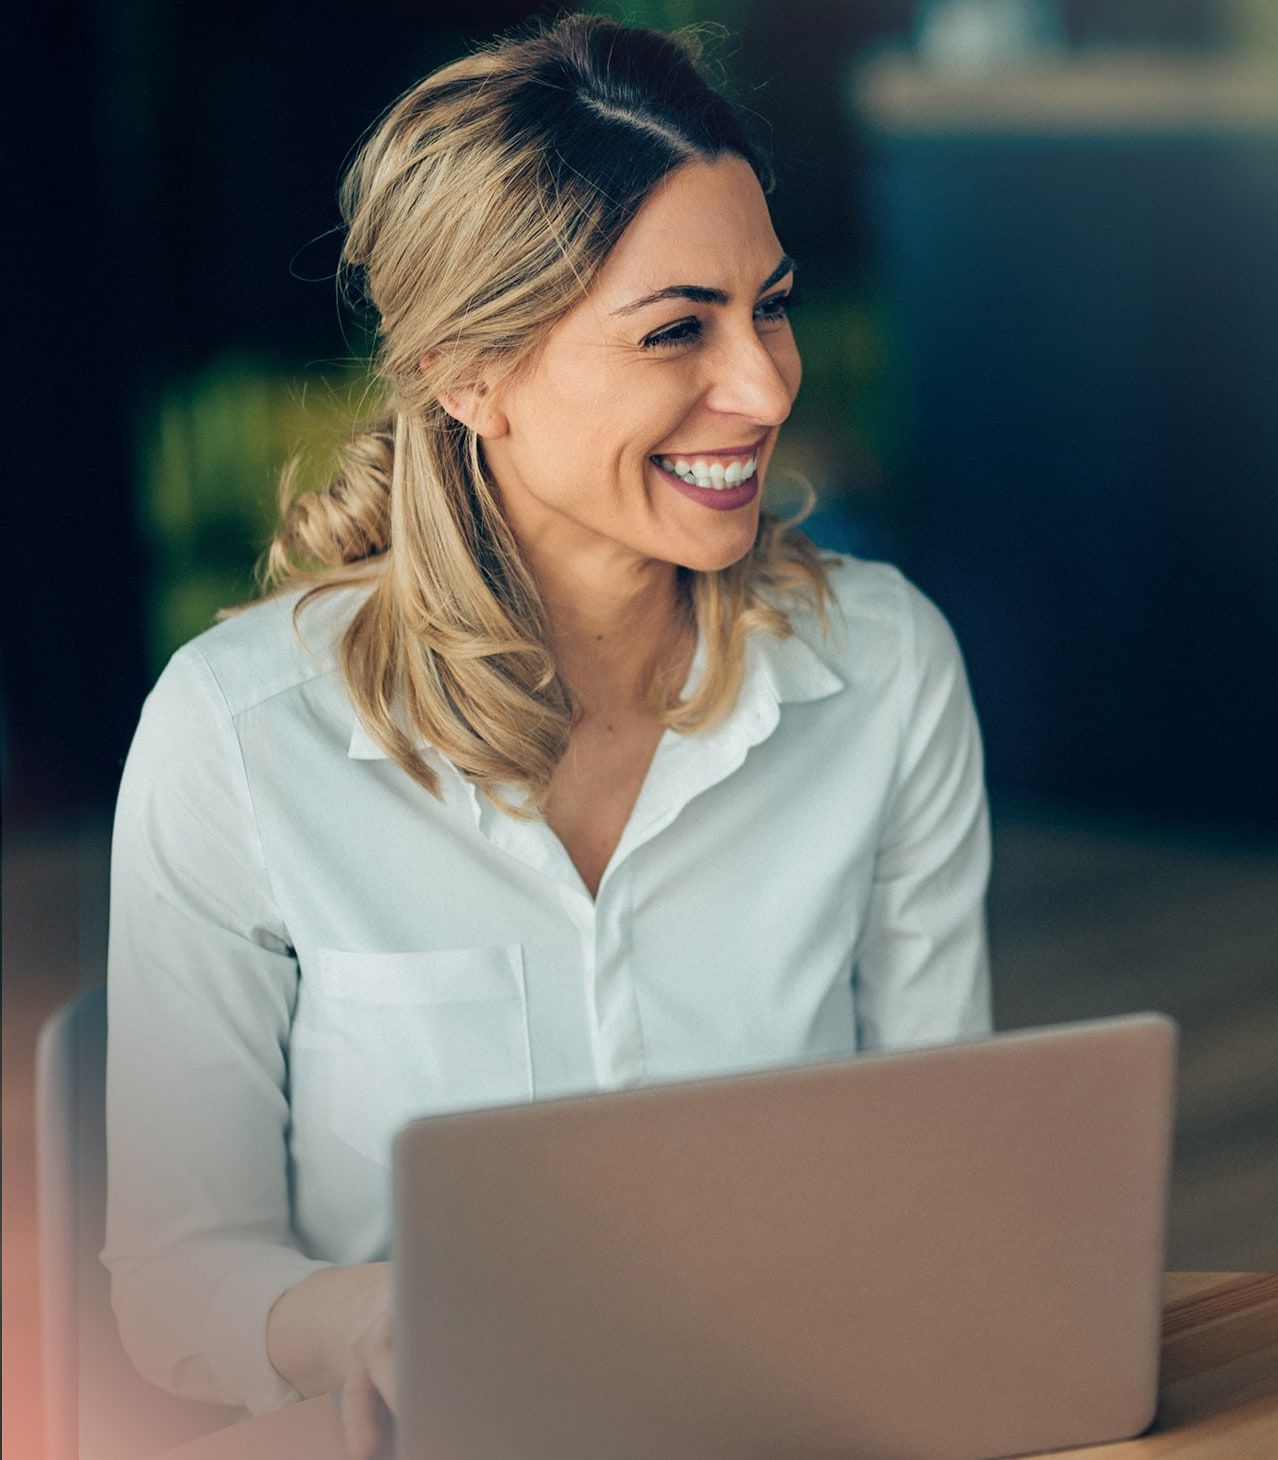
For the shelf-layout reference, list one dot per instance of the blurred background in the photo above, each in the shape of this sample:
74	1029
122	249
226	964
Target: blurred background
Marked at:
1039	242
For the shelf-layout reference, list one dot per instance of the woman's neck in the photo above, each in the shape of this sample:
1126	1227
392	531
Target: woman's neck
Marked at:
611	634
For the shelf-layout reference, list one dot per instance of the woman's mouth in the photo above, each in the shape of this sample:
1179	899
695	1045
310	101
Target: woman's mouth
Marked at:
714	482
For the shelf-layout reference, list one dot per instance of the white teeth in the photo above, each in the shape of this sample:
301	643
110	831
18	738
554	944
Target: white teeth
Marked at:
712	475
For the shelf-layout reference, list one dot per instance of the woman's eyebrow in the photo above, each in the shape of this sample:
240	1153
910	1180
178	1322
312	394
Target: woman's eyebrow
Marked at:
700	294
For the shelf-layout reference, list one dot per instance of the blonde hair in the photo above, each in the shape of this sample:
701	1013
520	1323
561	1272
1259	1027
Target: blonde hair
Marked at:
479	211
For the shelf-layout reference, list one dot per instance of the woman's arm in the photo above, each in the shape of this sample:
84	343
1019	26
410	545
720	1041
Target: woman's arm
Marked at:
922	965
202	984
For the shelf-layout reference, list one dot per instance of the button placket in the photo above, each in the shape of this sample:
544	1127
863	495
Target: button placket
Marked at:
621	1032
619	1036
584	917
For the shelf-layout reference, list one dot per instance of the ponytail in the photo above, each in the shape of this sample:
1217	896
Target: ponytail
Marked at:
344	523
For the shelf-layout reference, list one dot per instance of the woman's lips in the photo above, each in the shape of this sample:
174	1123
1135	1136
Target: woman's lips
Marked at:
719	451
722	499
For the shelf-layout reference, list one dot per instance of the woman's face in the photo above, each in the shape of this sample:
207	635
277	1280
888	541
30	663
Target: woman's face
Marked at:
643	429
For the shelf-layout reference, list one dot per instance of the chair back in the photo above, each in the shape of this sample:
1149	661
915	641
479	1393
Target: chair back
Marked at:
96	1403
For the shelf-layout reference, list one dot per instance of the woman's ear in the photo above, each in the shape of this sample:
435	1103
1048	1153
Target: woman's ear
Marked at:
475	406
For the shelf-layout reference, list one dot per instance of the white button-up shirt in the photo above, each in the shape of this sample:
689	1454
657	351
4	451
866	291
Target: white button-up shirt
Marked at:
308	949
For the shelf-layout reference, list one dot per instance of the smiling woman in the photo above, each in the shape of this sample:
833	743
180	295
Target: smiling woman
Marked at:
553	762
523	221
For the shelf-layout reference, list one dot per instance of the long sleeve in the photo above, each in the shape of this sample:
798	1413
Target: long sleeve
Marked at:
922	964
201	989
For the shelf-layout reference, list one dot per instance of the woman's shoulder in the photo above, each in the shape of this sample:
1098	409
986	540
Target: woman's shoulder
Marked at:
865	593
866	587
873	604
268	648
267	659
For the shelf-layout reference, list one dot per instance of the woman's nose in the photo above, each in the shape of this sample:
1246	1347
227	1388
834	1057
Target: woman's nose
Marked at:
749	381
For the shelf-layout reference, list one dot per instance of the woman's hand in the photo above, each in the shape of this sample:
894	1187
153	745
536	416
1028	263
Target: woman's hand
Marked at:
334	1330
368	1377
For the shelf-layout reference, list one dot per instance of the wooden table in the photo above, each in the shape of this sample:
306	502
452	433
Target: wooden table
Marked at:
1218	1384
1218	1390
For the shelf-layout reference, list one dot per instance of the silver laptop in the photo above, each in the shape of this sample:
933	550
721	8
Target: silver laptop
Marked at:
943	1254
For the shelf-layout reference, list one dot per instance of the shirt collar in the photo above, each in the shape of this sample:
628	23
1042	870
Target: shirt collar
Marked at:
363	746
777	671
790	668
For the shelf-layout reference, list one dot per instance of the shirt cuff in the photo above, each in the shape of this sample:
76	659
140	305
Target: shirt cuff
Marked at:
235	1333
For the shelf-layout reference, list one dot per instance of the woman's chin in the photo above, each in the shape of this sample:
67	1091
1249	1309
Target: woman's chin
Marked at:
726	549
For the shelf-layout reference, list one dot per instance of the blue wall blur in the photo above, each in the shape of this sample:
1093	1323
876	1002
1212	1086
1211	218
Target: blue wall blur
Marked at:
1081	454
1090	329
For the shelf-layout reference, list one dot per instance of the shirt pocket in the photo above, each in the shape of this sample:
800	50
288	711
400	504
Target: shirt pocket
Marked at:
415	1034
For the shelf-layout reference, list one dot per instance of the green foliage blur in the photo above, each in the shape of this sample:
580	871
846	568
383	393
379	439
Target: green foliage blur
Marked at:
210	454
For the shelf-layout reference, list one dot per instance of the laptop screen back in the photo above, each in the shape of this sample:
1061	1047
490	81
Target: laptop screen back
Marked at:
951	1253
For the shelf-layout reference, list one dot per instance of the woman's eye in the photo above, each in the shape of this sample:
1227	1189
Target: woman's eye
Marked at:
777	306
675	334
774	308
